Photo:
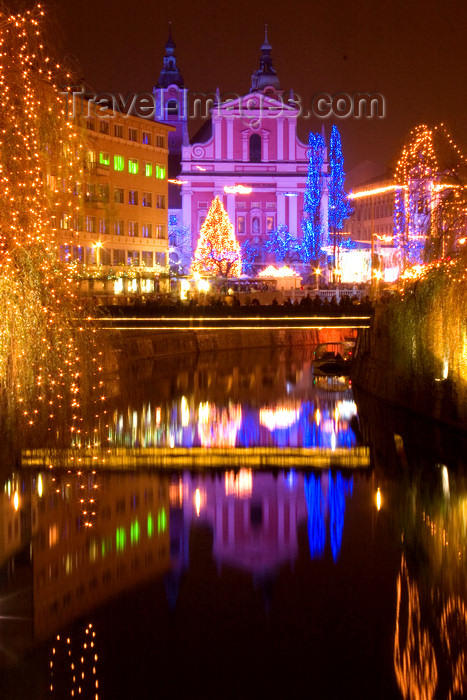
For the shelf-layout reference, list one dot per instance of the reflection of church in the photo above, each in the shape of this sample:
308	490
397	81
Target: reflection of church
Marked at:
248	140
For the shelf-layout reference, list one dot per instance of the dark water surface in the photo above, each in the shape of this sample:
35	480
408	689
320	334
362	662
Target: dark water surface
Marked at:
332	582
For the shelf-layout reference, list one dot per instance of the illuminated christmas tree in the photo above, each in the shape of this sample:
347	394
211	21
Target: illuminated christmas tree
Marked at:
217	253
312	224
46	358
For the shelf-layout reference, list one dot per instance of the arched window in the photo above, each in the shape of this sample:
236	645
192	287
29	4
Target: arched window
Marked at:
255	148
172	108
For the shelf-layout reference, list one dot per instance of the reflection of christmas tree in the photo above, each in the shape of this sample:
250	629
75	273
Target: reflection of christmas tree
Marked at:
218	251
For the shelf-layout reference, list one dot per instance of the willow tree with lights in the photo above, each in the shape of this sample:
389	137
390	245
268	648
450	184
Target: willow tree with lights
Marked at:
430	212
217	252
48	362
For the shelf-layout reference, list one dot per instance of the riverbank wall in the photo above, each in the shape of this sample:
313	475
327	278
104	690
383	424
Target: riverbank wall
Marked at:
126	348
414	356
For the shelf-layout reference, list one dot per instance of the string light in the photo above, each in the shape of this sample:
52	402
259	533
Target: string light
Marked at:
218	251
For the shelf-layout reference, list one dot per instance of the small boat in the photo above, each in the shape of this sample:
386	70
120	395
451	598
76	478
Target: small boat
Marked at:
333	358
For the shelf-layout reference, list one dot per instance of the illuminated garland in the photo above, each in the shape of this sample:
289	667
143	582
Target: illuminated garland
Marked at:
217	253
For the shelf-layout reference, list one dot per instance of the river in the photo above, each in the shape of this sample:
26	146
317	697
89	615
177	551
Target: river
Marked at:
256	531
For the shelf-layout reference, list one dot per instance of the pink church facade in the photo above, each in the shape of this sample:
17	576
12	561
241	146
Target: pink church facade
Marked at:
250	141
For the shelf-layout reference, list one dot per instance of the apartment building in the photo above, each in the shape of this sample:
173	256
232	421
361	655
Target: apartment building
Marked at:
120	237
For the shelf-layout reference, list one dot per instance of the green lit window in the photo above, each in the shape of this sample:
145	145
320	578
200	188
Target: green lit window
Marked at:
161	521
120	539
160	171
150	525
148	169
134	532
104	158
106	546
119	163
133	166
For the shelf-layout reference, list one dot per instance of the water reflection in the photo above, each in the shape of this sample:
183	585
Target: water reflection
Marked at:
248	400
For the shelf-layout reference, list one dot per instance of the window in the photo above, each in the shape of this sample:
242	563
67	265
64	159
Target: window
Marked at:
90	193
172	108
104	126
146	230
104	193
133	166
78	253
148	169
255	148
147	138
118	257
105	256
160	171
270	223
104	226
147	258
119	227
91	255
119	163
90	160
132	134
160	259
119	195
132	196
240	224
118	131
160	141
91	224
147	199
132	258
132	228
160	231
104	159
90	124
160	201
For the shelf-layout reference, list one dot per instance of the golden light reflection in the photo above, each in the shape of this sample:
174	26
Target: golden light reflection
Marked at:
239	484
415	664
218	427
379	499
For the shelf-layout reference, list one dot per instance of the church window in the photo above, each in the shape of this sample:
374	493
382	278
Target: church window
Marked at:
240	224
255	224
255	148
172	108
147	138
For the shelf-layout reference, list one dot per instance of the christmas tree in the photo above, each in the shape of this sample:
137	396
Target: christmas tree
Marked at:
217	253
312	224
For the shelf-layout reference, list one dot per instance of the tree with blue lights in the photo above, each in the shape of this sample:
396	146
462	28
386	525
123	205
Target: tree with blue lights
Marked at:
339	208
251	253
281	244
312	224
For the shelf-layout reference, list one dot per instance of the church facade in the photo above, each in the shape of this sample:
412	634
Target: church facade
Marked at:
247	153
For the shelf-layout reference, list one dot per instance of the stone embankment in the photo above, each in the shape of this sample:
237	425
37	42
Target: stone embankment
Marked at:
415	354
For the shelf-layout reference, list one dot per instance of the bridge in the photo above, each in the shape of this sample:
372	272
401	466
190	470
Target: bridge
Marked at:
230	322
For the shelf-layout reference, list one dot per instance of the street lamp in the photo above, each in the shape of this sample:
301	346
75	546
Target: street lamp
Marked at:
98	245
317	273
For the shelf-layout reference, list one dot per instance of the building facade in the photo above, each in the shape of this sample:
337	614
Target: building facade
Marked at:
250	141
119	239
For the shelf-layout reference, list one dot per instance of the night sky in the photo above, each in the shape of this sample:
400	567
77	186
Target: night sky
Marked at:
413	53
